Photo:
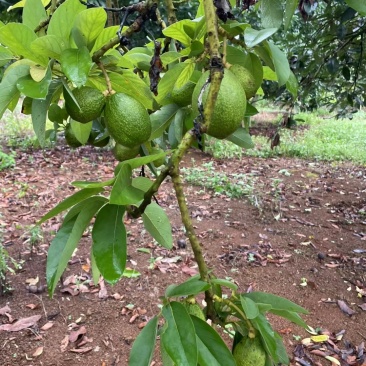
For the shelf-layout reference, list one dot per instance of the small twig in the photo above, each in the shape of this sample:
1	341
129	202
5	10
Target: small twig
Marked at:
106	76
44	309
233	40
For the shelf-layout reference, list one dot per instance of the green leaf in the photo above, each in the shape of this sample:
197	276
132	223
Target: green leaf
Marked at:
169	57
359	6
142	183
131	273
281	350
167	82
157	223
291	316
18	38
8	86
253	37
250	111
110	242
187	288
179	338
177	31
63	18
40	109
241	138
76	64
69	202
87	184
144	345
37	90
123	193
226	283
291	6
90	23
33	13
277	302
75	210
129	83
161	119
269	74
65	242
49	45
281	64
104	37
272	13
212	350
185	75
95	270
81	130
250	307
5	56
139	60
292	85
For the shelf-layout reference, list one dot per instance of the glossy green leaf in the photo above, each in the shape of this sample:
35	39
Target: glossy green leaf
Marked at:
33	13
179	338
40	110
187	288
49	45
139	60
81	130
105	36
37	90
161	119
76	209
88	184
291	6
271	13
110	242
185	75
8	86
65	242
281	64
358	5
292	85
129	83
143	348
250	308
76	64
123	193
18	38
277	302
225	283
69	202
212	350
90	23
241	138
63	18
5	56
157	223
142	183
177	31
253	37
281	350
169	57
291	316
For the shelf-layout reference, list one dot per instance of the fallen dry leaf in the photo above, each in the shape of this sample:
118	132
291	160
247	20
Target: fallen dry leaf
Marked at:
81	350
32	281
5	310
21	324
189	271
103	293
32	306
47	326
38	352
76	334
345	308
363	306
64	343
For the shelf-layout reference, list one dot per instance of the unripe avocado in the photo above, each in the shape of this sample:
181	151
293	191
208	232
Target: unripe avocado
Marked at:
246	80
127	120
229	108
183	95
122	153
250	352
70	137
194	309
90	100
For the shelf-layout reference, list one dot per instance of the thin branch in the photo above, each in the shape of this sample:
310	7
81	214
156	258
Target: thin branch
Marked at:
233	40
106	76
172	18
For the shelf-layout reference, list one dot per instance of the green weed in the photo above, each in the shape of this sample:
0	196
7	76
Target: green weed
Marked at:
6	160
7	265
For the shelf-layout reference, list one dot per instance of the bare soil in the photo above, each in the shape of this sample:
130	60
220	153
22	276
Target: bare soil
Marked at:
305	241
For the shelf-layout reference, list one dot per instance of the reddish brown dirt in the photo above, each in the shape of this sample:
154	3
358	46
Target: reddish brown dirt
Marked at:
305	230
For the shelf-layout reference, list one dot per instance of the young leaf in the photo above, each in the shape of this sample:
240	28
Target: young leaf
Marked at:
18	38
253	37
90	23
87	184
250	307
69	202
33	13
226	283
212	350
76	64
63	18
187	288
277	302
144	345
65	242
157	223
179	337
177	31
161	119
8	88
110	242
271	13
241	138
50	46
81	130
105	36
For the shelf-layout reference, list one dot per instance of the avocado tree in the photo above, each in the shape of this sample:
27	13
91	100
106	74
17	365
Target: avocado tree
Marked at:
191	77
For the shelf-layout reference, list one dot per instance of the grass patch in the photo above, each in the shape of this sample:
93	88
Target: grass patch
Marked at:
325	139
6	160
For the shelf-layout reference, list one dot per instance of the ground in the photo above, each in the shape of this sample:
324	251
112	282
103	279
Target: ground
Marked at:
301	235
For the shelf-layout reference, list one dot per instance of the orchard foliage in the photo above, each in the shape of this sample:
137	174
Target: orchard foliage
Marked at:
62	46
